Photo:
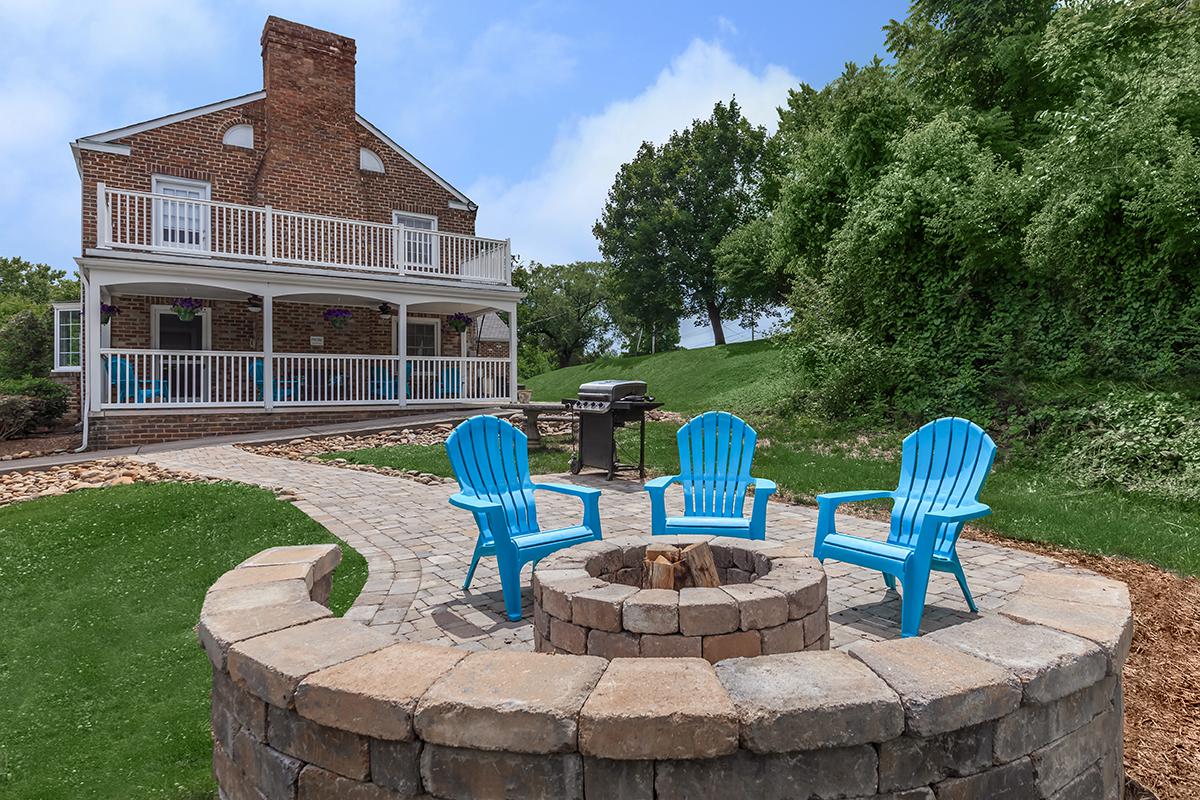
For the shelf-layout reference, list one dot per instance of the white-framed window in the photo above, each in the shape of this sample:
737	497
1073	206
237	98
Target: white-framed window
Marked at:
239	136
181	216
420	239
68	337
369	160
423	337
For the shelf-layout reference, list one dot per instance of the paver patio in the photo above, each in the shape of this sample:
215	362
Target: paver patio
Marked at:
417	549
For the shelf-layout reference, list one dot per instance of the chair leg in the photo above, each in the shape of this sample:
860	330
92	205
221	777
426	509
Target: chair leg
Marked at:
510	585
912	603
962	584
471	569
890	580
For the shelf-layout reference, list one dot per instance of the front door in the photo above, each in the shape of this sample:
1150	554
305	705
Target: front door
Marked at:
185	376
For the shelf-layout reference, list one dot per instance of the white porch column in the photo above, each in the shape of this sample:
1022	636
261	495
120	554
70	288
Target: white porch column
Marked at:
512	353
92	341
402	349
268	347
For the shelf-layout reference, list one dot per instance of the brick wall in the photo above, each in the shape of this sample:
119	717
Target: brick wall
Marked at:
71	381
234	327
306	142
141	427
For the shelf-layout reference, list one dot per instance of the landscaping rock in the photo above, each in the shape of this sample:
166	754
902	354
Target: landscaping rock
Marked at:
29	484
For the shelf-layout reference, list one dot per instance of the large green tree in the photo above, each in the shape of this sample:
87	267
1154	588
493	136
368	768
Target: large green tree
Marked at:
669	209
563	313
1015	198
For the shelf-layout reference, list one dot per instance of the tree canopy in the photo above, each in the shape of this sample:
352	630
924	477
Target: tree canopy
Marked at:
668	210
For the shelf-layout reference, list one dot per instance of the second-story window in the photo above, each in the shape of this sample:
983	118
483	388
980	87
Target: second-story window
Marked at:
420	240
181	216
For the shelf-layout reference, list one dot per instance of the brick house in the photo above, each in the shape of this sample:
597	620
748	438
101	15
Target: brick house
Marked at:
276	260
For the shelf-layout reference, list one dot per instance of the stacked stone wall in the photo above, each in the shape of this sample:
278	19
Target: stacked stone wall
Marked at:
1025	703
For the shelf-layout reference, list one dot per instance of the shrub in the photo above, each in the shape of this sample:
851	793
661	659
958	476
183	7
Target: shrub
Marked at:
27	344
48	400
16	415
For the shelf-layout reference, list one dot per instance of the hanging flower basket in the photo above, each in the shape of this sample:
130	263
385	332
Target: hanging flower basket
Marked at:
107	312
337	317
459	321
186	307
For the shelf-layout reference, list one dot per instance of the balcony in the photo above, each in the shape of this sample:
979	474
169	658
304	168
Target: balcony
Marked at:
132	220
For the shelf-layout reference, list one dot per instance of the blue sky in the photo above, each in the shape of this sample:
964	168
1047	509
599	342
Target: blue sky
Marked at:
527	107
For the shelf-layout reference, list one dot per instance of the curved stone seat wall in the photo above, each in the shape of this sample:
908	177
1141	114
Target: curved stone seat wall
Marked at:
1023	703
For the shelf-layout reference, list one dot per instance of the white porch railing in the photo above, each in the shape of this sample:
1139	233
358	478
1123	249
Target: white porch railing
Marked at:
180	378
144	221
213	378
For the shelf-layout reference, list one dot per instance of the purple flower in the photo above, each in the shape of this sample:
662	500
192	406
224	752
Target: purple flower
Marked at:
459	318
187	304
109	311
336	313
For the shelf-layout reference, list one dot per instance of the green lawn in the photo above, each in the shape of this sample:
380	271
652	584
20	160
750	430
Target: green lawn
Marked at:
1029	503
103	687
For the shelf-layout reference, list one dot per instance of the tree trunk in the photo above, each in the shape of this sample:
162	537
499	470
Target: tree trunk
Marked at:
714	319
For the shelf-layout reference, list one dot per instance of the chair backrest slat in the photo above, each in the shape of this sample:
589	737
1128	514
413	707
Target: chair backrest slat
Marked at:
490	460
716	450
943	464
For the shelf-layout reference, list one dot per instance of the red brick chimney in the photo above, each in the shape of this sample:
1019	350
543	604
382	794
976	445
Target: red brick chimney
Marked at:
311	131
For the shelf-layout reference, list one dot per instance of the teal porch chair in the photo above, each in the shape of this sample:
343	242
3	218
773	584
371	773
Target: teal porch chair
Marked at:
942	468
715	453
490	459
128	387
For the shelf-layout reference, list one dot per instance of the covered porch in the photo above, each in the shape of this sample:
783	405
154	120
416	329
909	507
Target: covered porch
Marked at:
275	347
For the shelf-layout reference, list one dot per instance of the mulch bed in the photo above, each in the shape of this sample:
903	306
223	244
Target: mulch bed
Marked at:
1162	675
41	444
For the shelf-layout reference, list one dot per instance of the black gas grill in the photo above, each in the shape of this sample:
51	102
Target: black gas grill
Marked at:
601	408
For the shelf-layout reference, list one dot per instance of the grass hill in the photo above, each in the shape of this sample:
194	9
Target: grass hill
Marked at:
1033	499
737	376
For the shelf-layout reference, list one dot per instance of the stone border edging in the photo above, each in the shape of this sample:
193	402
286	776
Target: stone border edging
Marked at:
1027	701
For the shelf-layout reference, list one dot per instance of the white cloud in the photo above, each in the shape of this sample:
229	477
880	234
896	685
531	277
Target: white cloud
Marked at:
550	214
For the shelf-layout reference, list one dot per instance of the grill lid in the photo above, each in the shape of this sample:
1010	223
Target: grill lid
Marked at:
612	389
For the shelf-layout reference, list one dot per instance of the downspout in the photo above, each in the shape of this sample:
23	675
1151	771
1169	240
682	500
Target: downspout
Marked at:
83	398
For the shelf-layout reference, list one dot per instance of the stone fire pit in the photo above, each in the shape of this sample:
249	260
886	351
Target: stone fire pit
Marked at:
587	600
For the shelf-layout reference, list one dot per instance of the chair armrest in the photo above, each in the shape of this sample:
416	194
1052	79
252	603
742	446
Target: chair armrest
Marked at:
959	513
764	486
474	504
589	497
932	519
827	508
661	482
566	488
834	499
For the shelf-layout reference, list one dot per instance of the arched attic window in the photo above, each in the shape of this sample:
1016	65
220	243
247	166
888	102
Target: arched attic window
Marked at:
369	161
239	136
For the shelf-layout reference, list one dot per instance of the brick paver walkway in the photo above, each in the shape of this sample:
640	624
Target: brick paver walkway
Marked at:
418	547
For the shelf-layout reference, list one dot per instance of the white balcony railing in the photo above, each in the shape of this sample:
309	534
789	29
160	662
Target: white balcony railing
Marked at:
214	378
144	221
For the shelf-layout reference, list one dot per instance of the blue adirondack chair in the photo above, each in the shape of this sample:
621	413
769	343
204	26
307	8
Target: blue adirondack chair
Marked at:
942	468
490	459
384	385
282	388
715	452
129	388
